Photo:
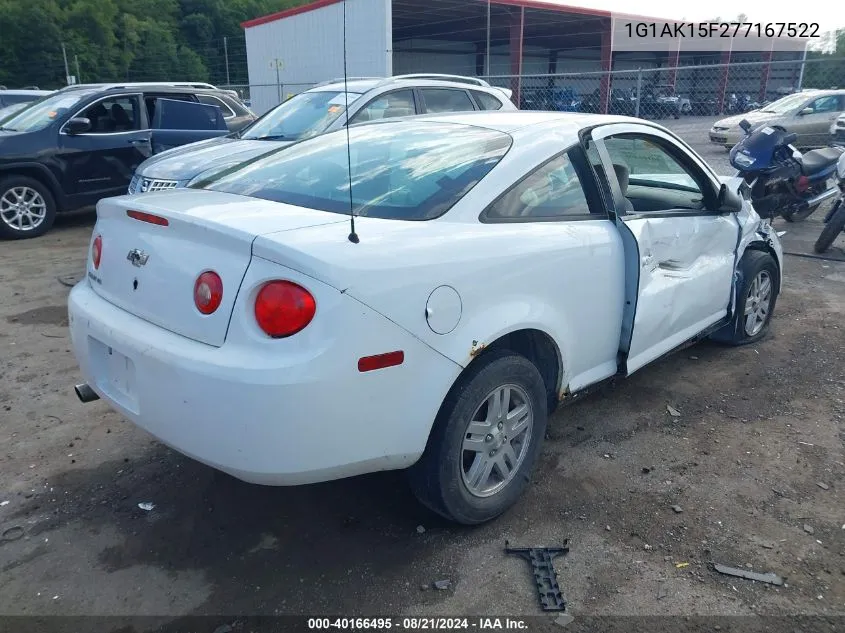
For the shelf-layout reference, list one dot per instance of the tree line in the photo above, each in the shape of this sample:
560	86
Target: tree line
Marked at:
125	40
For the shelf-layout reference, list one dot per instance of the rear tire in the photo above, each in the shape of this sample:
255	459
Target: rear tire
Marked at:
756	296
27	208
835	225
466	485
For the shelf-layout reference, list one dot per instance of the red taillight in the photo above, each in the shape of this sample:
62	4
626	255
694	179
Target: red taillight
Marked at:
283	308
148	217
208	292
97	251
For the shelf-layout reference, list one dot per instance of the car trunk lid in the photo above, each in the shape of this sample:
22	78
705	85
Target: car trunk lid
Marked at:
149	269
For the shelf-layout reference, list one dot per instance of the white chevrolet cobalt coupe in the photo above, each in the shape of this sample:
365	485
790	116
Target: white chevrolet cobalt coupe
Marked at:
501	262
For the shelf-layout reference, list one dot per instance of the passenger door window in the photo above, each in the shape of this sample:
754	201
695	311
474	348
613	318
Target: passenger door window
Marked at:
446	100
657	179
112	115
825	104
392	104
551	191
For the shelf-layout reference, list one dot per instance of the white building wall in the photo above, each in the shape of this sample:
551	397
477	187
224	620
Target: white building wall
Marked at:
309	46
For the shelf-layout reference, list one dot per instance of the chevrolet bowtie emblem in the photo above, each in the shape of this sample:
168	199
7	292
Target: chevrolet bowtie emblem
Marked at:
137	257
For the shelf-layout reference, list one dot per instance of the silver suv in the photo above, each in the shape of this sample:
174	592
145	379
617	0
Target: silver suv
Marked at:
315	112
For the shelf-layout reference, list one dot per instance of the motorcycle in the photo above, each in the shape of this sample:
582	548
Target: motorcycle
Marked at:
783	181
834	221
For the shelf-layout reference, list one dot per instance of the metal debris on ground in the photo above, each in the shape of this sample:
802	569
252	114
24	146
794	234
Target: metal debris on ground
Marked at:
673	411
420	529
147	505
769	578
661	589
677	509
3	503
809	529
442	585
823	485
563	620
548	590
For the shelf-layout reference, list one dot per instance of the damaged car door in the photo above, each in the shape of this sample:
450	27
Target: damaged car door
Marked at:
680	244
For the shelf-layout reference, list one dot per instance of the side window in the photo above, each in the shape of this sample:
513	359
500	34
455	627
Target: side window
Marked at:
386	106
209	100
150	100
115	114
446	100
656	180
553	190
486	101
825	104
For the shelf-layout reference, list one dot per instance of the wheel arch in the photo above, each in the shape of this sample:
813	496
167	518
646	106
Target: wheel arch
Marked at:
38	172
537	346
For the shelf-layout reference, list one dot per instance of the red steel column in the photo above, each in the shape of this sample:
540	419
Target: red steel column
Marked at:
674	60
764	76
606	62
723	80
517	30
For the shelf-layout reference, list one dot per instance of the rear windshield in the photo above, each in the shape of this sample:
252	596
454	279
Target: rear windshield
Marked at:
400	170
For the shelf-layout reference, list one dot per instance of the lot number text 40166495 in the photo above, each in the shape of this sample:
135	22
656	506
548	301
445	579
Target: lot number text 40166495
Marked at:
417	624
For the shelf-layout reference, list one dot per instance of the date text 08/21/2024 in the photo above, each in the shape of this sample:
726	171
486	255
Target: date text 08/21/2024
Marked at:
417	624
692	30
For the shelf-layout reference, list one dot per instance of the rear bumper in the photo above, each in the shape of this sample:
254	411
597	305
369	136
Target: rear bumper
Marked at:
264	416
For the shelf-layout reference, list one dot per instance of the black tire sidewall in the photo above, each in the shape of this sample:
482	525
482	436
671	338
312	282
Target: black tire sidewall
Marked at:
8	182
753	262
441	465
831	231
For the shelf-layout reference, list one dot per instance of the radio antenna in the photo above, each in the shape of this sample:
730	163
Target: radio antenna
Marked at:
353	236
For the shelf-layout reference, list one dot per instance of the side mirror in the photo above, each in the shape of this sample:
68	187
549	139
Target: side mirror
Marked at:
728	201
805	112
745	125
79	125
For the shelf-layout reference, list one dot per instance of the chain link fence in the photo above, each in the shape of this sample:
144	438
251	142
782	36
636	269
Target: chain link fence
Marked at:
652	93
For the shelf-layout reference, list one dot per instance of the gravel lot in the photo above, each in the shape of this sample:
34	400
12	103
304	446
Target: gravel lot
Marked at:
755	462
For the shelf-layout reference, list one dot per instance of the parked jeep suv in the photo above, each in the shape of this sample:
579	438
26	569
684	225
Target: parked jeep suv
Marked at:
84	142
316	111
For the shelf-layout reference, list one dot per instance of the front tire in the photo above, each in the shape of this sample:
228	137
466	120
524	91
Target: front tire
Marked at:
27	208
485	440
834	226
756	296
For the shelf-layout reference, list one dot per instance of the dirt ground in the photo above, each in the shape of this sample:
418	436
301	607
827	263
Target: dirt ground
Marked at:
754	467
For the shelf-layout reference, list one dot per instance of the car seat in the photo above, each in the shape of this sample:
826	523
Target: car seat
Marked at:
122	122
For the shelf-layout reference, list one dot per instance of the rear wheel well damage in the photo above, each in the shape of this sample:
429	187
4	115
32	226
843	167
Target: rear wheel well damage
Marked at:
539	348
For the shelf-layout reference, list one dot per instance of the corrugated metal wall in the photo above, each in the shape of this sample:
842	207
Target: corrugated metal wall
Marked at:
310	48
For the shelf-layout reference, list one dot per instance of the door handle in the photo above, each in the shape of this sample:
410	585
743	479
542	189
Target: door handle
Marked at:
138	141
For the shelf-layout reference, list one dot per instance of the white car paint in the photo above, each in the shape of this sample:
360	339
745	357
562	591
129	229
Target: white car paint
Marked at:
297	410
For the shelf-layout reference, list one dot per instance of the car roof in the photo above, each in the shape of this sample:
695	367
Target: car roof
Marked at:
510	121
37	93
365	85
128	87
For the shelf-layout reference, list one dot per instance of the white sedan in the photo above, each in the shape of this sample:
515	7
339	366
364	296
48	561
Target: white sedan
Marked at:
501	263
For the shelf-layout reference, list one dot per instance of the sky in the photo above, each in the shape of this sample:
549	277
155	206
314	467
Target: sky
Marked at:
829	16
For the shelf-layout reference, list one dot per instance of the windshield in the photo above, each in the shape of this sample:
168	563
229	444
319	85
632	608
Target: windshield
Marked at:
785	104
400	170
42	113
307	114
9	110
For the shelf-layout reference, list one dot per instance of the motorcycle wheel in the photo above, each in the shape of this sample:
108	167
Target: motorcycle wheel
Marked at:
835	225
